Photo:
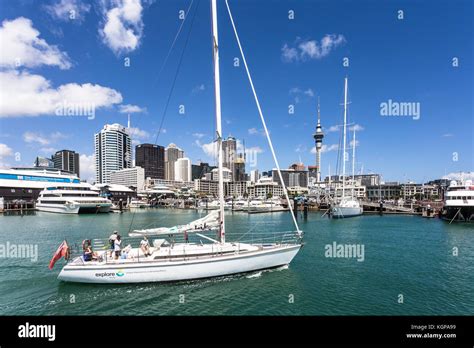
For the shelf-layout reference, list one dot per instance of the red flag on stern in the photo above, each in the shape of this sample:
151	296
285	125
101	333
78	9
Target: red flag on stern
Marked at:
61	252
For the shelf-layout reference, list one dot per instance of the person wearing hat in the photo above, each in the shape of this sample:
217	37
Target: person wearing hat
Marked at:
112	239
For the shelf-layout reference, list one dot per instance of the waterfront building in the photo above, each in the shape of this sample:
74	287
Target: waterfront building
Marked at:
116	192
129	177
254	175
206	186
26	183
235	189
368	179
291	177
198	171
318	140
151	158
298	167
150	183
43	162
67	160
112	151
265	187
182	169
172	153
226	172
387	191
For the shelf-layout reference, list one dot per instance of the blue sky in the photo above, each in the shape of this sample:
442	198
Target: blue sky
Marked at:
292	61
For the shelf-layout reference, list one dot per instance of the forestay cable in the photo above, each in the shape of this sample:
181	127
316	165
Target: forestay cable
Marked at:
263	119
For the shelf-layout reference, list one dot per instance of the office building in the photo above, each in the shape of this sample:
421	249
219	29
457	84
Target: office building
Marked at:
67	160
112	151
182	169
129	177
172	153
151	158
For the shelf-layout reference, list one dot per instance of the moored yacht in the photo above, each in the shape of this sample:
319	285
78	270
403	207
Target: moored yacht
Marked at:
72	199
459	202
348	206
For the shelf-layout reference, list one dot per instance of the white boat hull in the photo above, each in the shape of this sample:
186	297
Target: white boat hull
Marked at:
73	209
345	212
168	271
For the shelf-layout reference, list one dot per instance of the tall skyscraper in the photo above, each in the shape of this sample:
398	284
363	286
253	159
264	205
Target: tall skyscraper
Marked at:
229	151
182	169
112	151
318	139
151	158
232	160
172	153
67	160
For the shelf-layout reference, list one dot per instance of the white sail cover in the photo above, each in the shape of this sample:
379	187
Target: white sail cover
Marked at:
208	222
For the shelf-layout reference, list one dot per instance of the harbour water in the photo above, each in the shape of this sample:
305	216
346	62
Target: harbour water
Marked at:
404	255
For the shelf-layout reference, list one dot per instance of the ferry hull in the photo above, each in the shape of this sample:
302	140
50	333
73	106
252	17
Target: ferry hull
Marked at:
170	271
76	209
458	214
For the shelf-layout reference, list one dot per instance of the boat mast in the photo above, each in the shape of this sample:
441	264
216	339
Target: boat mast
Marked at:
353	161
217	92
344	139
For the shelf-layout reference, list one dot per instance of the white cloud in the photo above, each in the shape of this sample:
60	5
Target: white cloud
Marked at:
460	176
447	135
138	133
24	94
21	46
356	127
131	109
300	148
209	149
68	10
333	129
297	93
326	148
32	137
123	25
253	131
199	88
5	151
311	49
289	54
87	167
351	143
48	150
198	135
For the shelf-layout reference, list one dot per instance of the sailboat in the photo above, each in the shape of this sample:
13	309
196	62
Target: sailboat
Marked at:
168	260
348	206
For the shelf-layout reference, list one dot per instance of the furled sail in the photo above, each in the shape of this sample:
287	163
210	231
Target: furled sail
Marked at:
208	222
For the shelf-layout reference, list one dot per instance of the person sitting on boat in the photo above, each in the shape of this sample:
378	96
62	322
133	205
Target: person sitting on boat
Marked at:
145	246
125	252
88	254
112	239
117	246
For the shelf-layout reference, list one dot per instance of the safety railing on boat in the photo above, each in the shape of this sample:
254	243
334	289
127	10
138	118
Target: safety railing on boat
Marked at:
262	239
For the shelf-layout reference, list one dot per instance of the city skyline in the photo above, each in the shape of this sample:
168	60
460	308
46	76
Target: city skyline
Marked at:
67	57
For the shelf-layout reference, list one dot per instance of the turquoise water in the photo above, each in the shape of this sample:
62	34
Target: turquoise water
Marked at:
405	255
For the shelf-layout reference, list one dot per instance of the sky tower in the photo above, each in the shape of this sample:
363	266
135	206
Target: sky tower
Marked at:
318	139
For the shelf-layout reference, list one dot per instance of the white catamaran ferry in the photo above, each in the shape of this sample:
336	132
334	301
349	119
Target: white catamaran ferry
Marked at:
174	257
72	199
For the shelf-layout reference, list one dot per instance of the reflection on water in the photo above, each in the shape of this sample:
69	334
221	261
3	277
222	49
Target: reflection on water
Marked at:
403	255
